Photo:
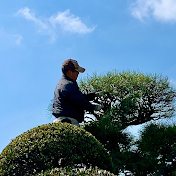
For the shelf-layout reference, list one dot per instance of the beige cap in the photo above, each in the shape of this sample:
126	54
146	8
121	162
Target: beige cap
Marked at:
72	65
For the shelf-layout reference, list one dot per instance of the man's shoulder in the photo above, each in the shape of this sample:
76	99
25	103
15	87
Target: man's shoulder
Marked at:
65	81
67	84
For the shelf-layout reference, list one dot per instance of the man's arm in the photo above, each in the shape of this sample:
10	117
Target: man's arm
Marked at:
76	98
89	96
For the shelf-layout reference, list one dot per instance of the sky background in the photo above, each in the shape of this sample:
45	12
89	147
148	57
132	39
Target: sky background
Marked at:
37	36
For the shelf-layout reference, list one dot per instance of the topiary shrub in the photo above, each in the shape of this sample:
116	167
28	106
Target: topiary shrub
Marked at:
132	98
76	171
50	146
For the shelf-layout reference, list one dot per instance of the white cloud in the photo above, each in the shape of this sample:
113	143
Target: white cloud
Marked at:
52	26
68	22
162	10
30	16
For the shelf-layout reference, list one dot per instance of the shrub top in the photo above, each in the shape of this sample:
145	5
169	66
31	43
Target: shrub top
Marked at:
52	145
76	171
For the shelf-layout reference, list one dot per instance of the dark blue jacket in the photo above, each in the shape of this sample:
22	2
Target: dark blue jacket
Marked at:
69	101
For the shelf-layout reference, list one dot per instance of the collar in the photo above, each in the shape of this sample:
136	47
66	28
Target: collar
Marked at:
66	77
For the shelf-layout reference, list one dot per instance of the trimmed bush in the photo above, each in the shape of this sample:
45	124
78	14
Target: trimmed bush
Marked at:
50	146
132	98
76	171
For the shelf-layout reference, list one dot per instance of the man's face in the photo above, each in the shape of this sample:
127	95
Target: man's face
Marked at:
73	75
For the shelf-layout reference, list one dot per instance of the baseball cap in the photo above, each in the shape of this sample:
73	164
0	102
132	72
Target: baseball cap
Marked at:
72	65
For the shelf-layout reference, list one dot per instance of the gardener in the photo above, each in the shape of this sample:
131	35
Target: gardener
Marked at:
69	103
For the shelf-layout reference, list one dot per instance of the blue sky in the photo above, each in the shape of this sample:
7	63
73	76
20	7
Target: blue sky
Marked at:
37	36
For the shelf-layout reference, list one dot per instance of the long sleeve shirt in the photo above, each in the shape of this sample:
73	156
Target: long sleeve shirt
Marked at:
69	100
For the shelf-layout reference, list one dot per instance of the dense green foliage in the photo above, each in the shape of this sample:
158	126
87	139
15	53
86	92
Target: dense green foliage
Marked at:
132	98
116	141
76	171
157	146
49	146
129	98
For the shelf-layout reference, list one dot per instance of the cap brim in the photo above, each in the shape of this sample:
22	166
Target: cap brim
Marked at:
80	69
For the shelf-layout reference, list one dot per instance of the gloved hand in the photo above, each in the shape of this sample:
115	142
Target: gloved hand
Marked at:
99	94
98	107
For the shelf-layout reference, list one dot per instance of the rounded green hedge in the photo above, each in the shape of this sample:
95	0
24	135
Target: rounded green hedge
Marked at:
76	171
50	146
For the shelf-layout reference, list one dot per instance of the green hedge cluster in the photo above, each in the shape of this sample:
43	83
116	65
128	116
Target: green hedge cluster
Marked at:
50	146
76	171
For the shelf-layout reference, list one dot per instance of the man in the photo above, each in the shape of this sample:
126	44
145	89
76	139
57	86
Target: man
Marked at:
69	103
